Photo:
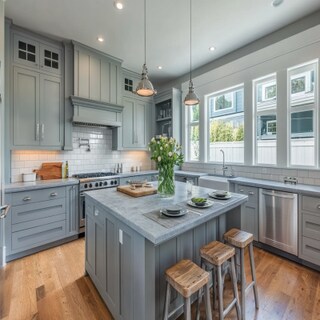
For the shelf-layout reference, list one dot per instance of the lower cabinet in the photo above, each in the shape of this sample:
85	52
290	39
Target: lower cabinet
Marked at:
250	214
40	217
309	239
111	259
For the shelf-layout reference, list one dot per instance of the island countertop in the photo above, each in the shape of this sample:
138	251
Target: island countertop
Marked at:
131	210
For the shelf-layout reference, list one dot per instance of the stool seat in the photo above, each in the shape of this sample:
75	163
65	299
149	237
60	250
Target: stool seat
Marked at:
186	277
216	252
238	238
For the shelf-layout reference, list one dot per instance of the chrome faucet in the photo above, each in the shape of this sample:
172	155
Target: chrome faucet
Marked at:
224	167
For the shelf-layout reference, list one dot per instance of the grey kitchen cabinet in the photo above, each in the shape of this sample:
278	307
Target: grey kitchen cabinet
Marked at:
31	52
309	233
40	217
167	114
250	214
97	76
111	259
37	110
135	124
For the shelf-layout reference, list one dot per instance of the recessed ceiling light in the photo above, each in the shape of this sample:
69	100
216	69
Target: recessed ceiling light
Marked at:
276	3
118	4
212	48
159	67
100	39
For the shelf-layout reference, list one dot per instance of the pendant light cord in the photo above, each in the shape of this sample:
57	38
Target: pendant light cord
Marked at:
190	40
145	32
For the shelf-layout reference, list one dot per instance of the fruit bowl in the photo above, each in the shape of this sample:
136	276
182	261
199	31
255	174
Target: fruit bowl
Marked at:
199	201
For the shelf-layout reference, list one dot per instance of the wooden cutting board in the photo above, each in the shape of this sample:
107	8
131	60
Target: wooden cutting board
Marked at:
137	192
50	170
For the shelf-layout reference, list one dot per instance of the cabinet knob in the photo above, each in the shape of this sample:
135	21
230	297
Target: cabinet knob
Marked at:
96	212
318	206
241	190
26	199
251	193
53	194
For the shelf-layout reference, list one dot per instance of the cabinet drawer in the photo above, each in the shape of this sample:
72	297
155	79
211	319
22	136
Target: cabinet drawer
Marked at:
30	238
311	225
252	194
311	204
37	195
38	210
310	250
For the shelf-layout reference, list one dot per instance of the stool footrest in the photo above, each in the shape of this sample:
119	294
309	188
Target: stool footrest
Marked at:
229	307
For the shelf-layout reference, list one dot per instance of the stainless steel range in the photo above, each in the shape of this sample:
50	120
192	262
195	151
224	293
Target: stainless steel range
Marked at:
93	181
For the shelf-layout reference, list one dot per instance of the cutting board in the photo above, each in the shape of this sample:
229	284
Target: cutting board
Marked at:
50	170
137	192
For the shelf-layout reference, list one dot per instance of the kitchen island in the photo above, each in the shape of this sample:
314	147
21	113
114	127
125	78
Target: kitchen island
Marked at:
129	245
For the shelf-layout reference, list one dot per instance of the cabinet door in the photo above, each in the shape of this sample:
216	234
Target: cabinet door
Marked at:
50	59
50	111
140	131
26	51
72	210
25	107
128	124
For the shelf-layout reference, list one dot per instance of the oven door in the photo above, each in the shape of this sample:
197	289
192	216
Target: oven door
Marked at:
82	213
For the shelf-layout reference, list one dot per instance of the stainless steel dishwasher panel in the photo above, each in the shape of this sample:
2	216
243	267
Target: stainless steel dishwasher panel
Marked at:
278	220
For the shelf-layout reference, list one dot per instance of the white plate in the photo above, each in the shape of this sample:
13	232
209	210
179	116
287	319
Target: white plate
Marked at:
208	204
214	196
174	209
173	215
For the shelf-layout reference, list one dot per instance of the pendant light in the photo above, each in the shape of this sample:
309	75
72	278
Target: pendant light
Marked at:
145	87
191	98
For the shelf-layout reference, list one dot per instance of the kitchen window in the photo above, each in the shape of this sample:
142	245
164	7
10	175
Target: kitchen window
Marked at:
226	125
303	114
193	132
265	107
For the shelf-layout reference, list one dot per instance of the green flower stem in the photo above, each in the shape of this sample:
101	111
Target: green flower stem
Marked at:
166	180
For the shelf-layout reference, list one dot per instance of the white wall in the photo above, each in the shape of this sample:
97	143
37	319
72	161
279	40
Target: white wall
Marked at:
101	157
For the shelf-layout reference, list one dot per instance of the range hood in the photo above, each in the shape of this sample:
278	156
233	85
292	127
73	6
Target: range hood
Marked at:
96	113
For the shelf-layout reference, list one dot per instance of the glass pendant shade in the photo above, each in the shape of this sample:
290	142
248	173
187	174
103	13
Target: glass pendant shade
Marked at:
191	98
145	87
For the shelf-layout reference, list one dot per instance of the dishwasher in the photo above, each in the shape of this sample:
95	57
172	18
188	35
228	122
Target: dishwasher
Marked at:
278	220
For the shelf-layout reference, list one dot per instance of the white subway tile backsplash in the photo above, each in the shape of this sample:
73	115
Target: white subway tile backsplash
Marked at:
101	156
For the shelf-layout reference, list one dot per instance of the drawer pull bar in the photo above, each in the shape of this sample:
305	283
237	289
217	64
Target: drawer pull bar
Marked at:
241	190
26	199
251	193
53	194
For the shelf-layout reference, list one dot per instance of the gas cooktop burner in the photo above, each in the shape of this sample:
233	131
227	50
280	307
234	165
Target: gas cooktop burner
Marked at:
93	175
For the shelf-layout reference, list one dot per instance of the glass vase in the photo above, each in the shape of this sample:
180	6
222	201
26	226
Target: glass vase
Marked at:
166	181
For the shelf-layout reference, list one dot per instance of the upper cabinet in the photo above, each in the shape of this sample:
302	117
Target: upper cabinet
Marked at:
35	54
36	99
168	114
97	76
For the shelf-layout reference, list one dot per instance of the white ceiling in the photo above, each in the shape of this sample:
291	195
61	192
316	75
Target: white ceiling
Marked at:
225	24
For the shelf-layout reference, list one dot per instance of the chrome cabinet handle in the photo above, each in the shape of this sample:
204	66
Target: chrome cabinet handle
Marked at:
26	199
37	131
53	194
251	193
96	212
42	131
241	190
318	206
4	211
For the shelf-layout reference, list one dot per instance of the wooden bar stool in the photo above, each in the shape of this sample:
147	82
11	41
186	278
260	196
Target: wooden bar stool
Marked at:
214	255
187	278
241	239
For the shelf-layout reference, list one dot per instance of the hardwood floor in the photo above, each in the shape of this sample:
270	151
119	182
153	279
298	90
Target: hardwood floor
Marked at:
51	285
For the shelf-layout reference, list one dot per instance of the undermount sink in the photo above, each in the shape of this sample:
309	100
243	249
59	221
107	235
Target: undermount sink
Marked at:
217	182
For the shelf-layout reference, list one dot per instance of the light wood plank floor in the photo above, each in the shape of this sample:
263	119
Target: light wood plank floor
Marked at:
51	285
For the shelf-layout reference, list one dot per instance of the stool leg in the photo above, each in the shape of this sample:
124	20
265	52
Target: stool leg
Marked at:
243	285
198	303
214	287
187	309
207	302
235	288
253	274
167	302
220	292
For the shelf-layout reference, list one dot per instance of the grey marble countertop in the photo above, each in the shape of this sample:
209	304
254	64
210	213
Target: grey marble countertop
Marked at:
131	210
39	184
190	173
276	185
